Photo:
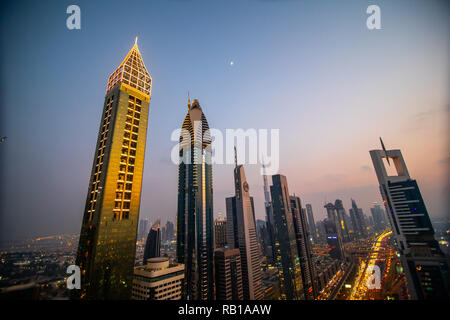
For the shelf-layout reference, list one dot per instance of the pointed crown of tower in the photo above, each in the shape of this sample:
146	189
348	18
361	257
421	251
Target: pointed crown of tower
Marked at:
132	71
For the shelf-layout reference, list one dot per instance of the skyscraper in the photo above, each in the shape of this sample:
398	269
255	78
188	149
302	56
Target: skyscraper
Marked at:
108	233
285	241
168	232
357	216
334	241
425	266
333	231
303	247
340	212
153	243
242	235
220	233
228	274
143	228
311	223
270	247
195	233
379	217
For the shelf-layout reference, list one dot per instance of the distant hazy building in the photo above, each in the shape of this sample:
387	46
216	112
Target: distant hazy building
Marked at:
379	217
320	227
334	240
143	228
340	213
228	274
168	232
242	235
425	266
159	279
303	247
220	233
311	223
195	230
107	245
285	241
357	216
153	243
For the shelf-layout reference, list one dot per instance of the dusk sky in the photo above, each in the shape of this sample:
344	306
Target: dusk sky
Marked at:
309	68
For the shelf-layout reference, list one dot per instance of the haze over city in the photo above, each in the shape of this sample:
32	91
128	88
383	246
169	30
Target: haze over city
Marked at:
315	72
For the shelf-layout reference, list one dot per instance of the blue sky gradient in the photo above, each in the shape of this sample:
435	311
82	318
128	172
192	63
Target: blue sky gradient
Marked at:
309	68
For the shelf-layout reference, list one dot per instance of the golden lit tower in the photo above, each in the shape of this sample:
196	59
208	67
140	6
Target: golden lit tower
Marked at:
108	233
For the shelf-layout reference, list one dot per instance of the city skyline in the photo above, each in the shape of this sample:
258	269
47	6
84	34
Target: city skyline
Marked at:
324	160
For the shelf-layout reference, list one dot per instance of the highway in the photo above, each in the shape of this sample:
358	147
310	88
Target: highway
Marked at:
360	288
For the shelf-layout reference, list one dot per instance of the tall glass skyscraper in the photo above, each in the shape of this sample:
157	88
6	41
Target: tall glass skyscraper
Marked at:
425	265
153	243
357	215
285	241
108	233
311	223
340	213
195	232
303	247
242	235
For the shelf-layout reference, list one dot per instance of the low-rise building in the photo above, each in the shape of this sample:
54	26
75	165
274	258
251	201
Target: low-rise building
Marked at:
159	279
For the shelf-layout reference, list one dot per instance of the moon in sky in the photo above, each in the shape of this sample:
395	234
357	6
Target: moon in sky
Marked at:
231	63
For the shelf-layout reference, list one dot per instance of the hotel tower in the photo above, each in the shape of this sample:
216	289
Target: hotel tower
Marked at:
108	233
195	233
425	265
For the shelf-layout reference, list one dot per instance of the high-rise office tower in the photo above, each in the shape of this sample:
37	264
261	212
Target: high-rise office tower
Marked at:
303	247
107	243
311	223
285	241
228	274
168	232
242	235
220	233
269	219
264	238
340	213
143	228
357	217
153	244
379	217
335	247
333	231
195	232
425	266
321	231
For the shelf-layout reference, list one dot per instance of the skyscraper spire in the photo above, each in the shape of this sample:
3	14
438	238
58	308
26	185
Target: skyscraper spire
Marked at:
189	102
132	72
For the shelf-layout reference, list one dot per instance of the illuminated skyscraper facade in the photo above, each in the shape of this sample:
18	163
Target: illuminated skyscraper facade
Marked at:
195	232
242	235
425	265
107	243
303	247
311	223
285	241
342	221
